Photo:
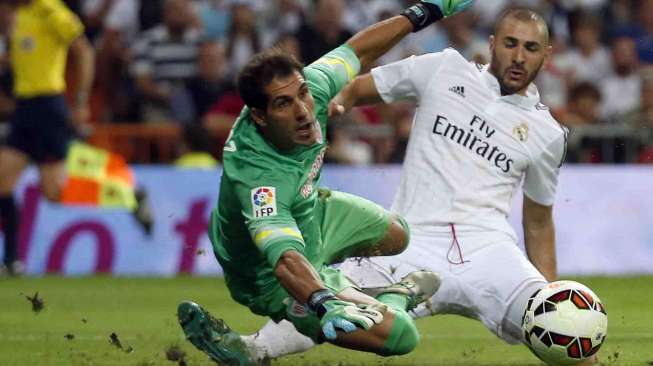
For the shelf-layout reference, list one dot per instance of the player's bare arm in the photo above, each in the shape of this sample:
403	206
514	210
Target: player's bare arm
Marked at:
361	91
297	276
372	42
83	61
539	237
377	39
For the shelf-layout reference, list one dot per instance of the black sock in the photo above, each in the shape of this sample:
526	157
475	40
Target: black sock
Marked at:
9	218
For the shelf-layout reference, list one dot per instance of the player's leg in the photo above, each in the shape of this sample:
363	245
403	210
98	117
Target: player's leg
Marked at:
396	334
53	144
12	163
280	339
512	323
352	226
492	284
355	227
52	178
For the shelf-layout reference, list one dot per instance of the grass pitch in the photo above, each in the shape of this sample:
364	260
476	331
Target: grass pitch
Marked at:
80	315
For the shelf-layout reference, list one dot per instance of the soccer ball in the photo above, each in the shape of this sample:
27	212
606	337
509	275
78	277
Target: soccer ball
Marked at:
564	323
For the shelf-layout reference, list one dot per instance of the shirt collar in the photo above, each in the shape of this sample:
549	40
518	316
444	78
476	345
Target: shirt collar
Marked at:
528	101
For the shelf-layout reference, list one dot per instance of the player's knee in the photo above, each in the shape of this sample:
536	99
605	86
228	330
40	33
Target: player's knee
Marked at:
403	337
50	192
397	236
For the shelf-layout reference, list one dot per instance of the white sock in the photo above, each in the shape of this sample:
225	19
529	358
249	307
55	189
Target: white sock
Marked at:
277	339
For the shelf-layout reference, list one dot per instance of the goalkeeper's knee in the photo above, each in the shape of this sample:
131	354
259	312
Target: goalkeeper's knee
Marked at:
403	337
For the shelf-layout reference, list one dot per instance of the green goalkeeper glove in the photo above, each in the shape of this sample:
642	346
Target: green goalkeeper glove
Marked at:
427	12
341	315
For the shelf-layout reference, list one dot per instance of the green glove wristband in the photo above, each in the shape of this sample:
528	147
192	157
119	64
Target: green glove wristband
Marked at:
317	299
421	15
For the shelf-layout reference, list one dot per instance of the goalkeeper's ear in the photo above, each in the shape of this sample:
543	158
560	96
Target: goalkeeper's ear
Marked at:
258	116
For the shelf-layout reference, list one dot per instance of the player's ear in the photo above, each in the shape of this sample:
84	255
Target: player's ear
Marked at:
548	53
492	40
258	116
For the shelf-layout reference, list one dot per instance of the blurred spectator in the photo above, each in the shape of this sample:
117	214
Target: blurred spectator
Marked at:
583	110
215	18
344	148
325	33
290	44
164	59
125	17
645	42
588	60
216	101
583	106
93	14
221	116
281	17
619	14
594	6
114	89
362	13
243	38
151	12
407	46
402	123
462	36
195	149
642	117
210	84
552	81
621	90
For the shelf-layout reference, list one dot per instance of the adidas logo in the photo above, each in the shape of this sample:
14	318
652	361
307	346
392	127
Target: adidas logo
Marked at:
460	90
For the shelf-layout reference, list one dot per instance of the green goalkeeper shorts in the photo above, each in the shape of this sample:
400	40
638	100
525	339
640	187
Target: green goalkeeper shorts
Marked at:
350	226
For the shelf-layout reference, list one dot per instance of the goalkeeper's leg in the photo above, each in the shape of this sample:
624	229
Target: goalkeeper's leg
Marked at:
279	339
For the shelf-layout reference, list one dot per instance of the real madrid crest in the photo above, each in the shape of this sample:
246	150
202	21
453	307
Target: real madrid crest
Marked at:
521	132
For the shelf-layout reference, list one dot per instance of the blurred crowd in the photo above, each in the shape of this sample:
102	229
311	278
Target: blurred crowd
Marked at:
174	62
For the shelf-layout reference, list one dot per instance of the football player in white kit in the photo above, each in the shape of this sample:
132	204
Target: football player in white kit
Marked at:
478	132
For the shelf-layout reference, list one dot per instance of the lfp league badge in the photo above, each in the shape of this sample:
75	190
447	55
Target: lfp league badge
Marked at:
264	201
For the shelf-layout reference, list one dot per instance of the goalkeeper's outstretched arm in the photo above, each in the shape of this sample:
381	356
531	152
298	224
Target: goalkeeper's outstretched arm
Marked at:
375	40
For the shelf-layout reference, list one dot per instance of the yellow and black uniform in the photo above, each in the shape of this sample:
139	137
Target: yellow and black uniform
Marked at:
39	48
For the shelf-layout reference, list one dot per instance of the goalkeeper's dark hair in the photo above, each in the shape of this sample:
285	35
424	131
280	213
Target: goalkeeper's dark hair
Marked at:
261	70
523	15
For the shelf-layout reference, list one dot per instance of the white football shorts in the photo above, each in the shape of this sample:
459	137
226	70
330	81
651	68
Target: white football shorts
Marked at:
483	274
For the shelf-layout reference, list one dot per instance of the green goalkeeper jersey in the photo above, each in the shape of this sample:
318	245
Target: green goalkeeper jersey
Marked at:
267	198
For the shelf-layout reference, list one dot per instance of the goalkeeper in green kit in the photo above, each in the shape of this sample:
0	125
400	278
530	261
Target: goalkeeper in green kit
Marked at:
275	232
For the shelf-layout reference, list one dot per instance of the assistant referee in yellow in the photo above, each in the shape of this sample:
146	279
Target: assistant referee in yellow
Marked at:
42	34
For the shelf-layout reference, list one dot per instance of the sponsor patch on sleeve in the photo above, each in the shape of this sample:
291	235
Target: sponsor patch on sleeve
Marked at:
264	201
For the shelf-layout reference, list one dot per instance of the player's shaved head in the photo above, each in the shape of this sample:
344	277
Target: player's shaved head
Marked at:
523	15
520	46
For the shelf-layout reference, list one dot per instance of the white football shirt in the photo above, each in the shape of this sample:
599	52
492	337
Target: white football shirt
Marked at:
469	147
